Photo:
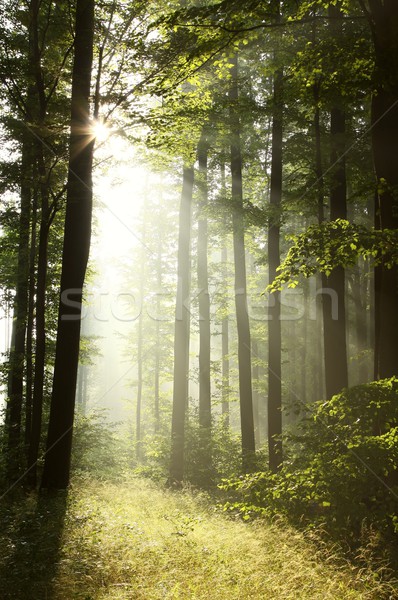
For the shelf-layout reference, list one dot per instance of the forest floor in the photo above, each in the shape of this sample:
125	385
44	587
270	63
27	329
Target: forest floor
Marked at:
137	541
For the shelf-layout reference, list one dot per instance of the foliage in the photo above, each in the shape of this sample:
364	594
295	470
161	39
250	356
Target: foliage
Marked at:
341	471
331	244
98	448
207	461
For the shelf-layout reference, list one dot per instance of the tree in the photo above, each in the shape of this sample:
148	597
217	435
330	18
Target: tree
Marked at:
204	304
274	310
75	256
181	331
383	20
242	317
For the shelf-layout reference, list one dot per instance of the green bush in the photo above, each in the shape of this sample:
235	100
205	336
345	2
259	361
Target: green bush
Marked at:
340	471
98	449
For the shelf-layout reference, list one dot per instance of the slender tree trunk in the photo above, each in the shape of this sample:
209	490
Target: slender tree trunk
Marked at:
242	316
274	310
181	332
256	395
204	301
158	339
359	294
77	235
138	414
17	352
224	322
30	324
80	388
140	344
320	306
40	352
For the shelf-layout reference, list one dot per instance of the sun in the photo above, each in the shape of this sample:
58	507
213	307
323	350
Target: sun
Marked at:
101	131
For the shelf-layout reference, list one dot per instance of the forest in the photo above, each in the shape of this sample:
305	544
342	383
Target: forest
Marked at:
198	299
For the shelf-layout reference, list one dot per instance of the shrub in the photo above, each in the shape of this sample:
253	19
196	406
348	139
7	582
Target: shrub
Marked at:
341	467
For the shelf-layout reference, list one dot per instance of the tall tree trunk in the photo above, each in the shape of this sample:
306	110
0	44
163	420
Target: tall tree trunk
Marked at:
181	332
140	344
242	316
224	322
205	458
76	247
40	351
157	338
256	394
274	310
204	307
384	120
333	292
30	324
320	307
17	352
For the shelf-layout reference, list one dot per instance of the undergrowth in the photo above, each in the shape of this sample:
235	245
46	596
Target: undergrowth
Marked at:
137	541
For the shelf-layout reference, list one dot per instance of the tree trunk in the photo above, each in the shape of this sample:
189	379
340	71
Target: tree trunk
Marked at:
30	324
181	332
140	344
274	310
333	287
204	301
384	120
17	352
40	353
76	247
242	316
224	324
157	338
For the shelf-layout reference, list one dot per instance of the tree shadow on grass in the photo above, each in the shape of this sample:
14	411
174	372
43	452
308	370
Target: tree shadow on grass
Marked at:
30	542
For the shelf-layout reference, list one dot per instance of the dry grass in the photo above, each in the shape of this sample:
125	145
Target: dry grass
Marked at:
136	541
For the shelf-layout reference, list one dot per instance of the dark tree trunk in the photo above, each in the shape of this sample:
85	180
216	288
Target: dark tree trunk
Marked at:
30	324
319	306
242	316
17	352
384	120
181	332
40	351
359	296
274	310
333	296
77	235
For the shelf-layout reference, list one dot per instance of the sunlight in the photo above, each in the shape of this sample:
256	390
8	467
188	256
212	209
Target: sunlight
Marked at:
101	131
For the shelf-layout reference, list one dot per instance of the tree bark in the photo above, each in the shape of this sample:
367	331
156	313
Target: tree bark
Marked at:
76	247
384	120
204	302
274	310
224	323
181	332
242	316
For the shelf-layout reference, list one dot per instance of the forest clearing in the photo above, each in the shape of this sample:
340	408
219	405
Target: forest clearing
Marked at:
134	540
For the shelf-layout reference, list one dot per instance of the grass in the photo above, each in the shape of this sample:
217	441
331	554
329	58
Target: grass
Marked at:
136	541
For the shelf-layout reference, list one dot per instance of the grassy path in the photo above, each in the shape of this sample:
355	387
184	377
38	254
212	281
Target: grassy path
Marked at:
135	541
